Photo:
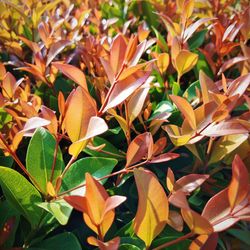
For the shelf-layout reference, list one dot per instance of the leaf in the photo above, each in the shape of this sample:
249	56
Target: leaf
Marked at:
117	53
242	235
238	189
21	194
197	223
40	158
112	151
226	65
225	128
170	180
185	61
217	211
136	102
175	220
189	183
207	85
110	245
96	126
152	212
225	145
96	166
72	73
60	209
204	242
124	88
186	109
139	148
194	26
63	241
197	39
55	49
164	157
80	108
162	62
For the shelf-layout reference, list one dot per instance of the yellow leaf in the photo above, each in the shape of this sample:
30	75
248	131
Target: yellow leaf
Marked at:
152	212
122	122
50	189
226	145
170	180
162	62
185	61
175	135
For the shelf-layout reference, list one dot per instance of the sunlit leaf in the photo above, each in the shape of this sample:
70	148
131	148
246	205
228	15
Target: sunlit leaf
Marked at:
152	212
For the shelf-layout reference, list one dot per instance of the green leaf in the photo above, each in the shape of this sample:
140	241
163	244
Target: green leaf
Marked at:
112	151
203	65
40	156
178	246
60	209
21	194
64	241
190	92
161	41
197	39
96	166
176	89
6	212
134	243
162	107
242	235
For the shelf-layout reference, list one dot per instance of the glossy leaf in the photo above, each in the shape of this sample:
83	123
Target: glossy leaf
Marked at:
40	158
238	189
21	194
152	212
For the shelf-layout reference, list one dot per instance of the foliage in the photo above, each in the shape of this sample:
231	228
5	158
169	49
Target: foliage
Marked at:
124	124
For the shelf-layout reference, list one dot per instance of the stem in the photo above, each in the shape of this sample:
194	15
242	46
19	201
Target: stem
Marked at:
170	243
128	137
122	171
100	236
68	166
17	160
58	138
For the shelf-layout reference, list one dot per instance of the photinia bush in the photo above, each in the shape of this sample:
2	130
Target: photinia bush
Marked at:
124	124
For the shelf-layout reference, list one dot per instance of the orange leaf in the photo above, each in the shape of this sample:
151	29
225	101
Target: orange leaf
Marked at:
206	85
50	115
117	53
110	245
238	189
197	223
80	107
72	73
124	88
186	109
205	242
152	211
139	148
